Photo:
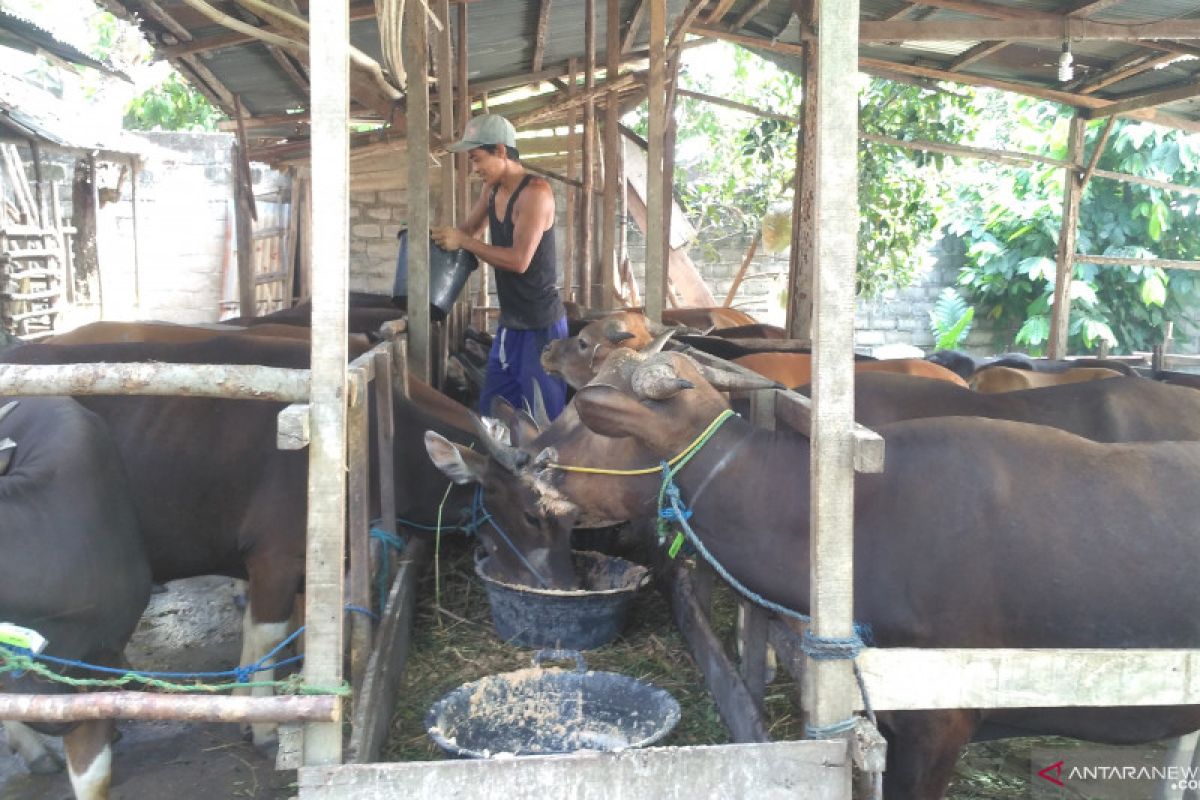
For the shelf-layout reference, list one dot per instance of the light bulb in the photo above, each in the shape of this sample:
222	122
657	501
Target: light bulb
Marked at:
1066	68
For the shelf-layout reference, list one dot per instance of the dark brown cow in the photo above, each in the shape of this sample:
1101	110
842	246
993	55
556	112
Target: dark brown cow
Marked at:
215	496
73	568
917	537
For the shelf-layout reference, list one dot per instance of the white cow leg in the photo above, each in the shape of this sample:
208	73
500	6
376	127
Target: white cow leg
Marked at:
772	661
258	639
32	748
1178	758
89	759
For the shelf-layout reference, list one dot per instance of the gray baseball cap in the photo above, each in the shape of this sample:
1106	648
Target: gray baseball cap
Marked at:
485	129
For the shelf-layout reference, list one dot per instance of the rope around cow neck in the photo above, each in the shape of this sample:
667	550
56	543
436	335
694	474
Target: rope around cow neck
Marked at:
684	456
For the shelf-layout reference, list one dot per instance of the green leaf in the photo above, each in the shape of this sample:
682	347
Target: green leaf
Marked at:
1154	289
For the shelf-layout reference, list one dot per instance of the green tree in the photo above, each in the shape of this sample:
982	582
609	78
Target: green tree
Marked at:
173	105
1010	221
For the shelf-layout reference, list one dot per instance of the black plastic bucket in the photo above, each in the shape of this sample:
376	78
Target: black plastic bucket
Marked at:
448	273
580	619
551	711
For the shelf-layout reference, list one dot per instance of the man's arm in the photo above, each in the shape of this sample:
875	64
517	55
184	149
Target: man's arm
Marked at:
473	224
532	216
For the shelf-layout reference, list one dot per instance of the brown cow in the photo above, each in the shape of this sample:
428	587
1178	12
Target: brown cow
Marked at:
166	332
916	540
992	380
795	369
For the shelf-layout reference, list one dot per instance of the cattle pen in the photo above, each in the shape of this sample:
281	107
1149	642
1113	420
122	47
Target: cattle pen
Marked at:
329	407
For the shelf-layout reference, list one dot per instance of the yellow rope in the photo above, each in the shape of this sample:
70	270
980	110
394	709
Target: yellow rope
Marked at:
699	440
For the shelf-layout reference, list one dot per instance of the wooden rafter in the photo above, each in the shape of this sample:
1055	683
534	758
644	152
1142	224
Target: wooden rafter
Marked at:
1085	8
1126	68
750	13
976	53
1026	30
1191	88
539	39
635	24
294	72
718	12
749	109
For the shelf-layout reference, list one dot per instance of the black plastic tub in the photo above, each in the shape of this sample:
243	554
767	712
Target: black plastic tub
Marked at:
551	711
580	619
448	273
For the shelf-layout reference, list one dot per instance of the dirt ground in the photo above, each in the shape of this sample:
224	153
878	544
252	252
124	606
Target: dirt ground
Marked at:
194	626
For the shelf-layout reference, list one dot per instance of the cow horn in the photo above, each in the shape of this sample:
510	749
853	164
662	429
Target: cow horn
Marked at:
541	417
8	448
656	345
508	456
656	380
9	406
727	381
614	332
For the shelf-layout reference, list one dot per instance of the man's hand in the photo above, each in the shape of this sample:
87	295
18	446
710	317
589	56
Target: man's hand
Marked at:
448	238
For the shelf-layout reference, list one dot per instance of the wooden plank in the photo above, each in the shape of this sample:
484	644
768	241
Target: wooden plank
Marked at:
741	273
151	706
831	687
1187	90
635	25
612	161
462	96
358	581
773	771
241	382
734	701
796	411
749	14
718	12
907	678
976	53
1060	312
416	45
569	258
385	468
372	715
324	557
1097	151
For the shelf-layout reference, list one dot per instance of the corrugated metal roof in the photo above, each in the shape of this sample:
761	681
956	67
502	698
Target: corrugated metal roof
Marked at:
23	34
501	40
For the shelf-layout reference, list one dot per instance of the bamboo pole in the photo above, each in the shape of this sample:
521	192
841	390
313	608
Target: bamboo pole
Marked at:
325	552
803	255
612	159
416	45
569	269
741	273
586	201
445	86
151	706
1060	314
656	272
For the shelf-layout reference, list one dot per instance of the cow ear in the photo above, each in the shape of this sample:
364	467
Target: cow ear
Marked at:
459	464
608	411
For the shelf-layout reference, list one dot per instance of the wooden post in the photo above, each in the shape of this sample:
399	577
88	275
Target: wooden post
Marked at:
359	577
35	151
656	267
416	46
803	255
245	236
741	273
833	690
1060	314
462	172
586	199
668	168
445	84
569	258
612	159
325	556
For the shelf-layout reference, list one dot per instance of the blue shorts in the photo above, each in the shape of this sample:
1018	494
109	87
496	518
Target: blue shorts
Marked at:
515	363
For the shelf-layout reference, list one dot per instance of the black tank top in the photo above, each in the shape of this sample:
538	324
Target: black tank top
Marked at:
528	300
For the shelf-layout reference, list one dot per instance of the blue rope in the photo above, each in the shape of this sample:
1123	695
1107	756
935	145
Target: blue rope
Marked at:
480	515
390	542
820	648
240	673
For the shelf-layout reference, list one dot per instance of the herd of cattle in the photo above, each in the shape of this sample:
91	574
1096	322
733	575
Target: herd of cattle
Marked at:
1007	516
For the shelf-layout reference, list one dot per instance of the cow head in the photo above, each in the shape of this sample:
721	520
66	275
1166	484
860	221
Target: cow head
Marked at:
528	529
576	359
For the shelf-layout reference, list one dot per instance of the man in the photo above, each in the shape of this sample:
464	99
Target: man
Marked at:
519	209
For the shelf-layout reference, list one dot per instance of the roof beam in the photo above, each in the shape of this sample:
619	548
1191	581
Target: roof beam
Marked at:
719	11
539	41
1025	30
990	10
635	24
1149	100
1127	68
976	53
749	14
1085	8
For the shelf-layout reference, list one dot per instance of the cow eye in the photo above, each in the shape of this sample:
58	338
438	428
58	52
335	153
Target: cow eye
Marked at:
531	518
582	344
